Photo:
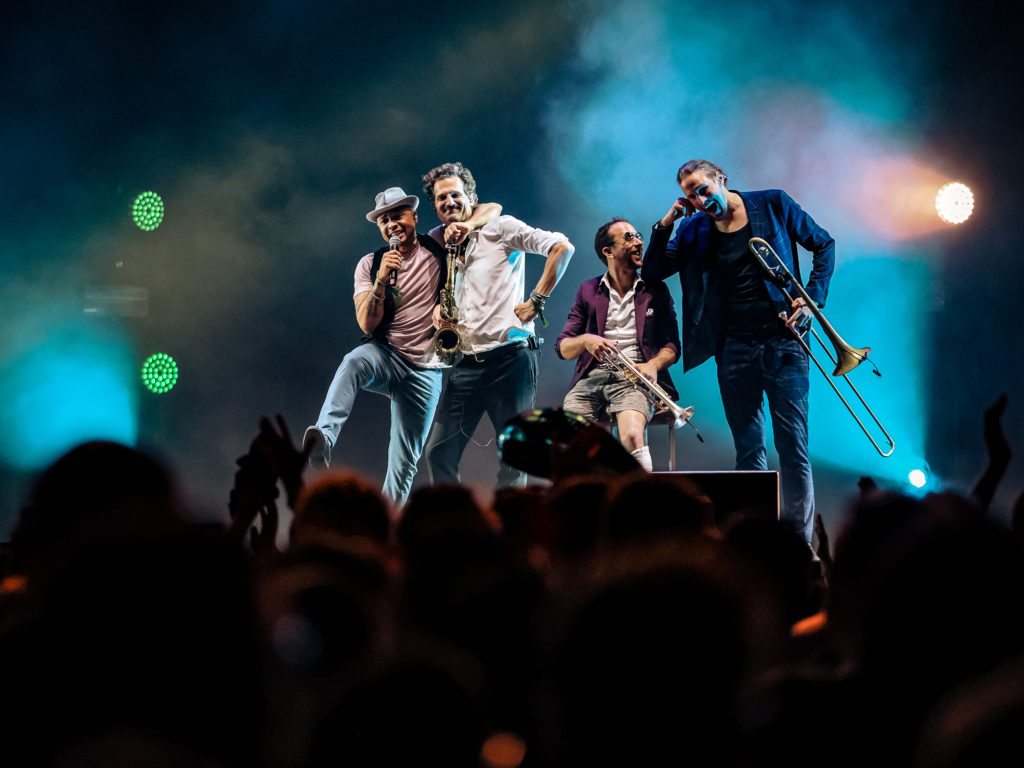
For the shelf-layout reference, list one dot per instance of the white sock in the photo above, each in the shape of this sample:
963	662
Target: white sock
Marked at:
643	457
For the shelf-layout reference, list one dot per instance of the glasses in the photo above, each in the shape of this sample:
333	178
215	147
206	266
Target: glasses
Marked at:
629	237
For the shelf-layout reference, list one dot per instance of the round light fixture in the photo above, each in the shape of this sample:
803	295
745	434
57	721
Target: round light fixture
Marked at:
954	202
148	211
159	373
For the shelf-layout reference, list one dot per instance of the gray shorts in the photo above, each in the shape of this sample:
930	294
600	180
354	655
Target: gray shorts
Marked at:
603	391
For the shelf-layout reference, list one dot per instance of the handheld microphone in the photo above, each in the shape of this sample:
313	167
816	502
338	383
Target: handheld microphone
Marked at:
393	243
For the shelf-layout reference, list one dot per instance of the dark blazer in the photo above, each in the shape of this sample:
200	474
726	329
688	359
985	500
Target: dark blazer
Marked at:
775	217
656	324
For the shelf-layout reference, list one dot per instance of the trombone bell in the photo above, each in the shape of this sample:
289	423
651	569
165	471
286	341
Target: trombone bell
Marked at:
848	358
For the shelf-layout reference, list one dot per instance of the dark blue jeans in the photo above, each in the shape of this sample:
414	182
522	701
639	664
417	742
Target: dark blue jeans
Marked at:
501	383
749	369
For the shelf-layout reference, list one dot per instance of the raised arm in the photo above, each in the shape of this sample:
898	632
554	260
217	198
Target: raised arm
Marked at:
482	214
660	259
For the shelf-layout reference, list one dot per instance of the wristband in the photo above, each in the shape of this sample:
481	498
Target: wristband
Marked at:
538	307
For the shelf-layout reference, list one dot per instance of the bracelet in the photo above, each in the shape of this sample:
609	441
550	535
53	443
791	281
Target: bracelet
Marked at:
538	299
375	297
377	281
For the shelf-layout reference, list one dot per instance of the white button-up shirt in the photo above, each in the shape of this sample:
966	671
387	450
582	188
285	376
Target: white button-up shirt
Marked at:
492	281
620	325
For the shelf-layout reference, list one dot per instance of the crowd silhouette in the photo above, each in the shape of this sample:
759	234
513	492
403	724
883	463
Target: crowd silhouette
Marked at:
604	619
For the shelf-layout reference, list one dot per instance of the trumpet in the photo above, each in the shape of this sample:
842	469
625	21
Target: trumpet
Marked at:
447	339
658	397
846	357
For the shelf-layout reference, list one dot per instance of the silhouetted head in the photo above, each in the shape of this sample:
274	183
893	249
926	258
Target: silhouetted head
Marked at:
341	503
97	491
650	505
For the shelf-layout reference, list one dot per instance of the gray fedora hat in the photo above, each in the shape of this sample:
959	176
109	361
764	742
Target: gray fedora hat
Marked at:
391	198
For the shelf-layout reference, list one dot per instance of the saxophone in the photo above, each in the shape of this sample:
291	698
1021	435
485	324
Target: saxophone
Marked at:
447	340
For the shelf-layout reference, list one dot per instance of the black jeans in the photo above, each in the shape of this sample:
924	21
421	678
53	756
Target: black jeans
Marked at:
501	383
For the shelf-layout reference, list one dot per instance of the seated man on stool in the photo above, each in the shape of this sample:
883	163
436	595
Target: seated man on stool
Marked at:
620	310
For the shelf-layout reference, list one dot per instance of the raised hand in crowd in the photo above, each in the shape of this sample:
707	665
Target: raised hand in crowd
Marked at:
999	454
255	489
286	460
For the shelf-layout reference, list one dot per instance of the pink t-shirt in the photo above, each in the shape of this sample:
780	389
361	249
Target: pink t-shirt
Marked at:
412	331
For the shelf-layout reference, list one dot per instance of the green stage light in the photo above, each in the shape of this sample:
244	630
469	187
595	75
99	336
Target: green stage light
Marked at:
159	373
148	211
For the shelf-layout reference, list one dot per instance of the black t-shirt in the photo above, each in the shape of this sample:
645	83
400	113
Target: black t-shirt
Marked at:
746	306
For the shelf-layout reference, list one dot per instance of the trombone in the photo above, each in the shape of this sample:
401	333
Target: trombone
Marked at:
845	359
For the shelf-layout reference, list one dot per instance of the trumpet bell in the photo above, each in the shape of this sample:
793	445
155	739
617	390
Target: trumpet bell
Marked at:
683	415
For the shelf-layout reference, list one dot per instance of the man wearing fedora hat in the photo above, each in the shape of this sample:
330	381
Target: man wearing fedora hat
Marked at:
497	373
396	290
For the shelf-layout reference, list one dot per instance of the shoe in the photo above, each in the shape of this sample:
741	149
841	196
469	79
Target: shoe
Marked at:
316	446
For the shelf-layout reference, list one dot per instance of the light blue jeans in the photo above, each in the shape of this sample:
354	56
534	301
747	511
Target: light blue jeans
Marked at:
413	392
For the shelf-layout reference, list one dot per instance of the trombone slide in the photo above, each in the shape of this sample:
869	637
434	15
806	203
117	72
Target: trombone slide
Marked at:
845	359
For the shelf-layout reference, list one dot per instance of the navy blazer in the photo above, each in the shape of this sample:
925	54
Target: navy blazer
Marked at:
656	324
775	217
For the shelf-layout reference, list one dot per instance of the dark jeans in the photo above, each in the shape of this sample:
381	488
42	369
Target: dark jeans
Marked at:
749	369
501	383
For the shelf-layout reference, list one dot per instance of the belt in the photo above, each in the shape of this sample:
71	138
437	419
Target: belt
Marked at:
481	358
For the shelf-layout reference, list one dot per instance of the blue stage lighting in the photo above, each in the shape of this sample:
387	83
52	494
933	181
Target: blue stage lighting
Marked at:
63	381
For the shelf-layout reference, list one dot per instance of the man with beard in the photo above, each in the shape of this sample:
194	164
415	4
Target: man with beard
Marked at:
731	310
620	310
396	291
497	373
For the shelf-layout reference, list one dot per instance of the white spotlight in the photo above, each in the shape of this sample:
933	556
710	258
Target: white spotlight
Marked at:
954	202
917	478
